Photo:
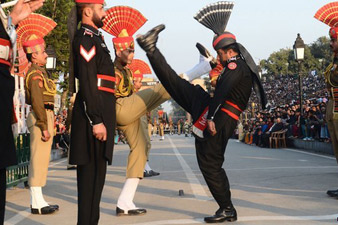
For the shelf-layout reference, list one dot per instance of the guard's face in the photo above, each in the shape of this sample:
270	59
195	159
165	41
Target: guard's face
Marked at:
40	57
334	45
98	15
127	56
222	56
137	83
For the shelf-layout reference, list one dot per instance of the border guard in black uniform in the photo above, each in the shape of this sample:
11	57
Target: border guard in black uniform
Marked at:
215	118
93	118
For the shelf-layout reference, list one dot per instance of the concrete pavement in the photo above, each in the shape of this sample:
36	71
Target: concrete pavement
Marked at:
269	186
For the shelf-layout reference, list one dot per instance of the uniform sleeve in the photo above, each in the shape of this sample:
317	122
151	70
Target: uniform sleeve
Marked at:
38	106
230	80
334	77
87	68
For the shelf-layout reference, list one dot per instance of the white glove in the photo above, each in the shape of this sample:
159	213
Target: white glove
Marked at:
203	67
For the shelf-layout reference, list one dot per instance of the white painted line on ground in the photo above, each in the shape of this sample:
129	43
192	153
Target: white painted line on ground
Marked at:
308	153
195	184
285	168
57	163
333	218
18	218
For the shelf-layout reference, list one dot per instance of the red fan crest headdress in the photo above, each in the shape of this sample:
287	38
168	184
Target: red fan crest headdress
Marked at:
30	34
139	68
328	14
122	22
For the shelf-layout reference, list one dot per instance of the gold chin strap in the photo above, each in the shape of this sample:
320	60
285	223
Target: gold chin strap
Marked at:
47	83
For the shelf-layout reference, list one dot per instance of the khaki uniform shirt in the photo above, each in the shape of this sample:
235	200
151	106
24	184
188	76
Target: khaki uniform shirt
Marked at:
40	90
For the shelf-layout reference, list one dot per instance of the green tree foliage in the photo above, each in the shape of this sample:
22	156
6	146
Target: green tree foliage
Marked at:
317	56
58	10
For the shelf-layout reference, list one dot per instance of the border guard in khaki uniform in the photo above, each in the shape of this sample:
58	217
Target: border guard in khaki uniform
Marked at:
40	92
326	15
130	106
139	68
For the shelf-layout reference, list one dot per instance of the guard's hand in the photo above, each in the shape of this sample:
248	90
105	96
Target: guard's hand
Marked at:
100	132
45	136
24	8
212	128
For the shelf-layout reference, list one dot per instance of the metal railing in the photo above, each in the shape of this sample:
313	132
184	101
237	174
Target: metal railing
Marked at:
19	173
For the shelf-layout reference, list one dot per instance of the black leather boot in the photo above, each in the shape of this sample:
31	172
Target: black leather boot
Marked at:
148	41
222	214
332	193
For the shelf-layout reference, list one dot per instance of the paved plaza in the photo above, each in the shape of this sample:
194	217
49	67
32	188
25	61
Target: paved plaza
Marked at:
269	186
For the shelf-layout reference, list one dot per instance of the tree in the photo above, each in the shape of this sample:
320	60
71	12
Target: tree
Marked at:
320	49
59	10
317	56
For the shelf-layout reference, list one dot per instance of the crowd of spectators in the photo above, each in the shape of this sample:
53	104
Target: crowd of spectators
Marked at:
284	111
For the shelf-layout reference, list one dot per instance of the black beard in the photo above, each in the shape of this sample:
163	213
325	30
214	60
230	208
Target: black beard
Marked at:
97	21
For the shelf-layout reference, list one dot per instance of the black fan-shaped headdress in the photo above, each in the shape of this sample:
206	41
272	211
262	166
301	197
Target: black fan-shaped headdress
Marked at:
215	16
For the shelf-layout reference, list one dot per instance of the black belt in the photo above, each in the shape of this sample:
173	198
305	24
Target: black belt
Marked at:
49	107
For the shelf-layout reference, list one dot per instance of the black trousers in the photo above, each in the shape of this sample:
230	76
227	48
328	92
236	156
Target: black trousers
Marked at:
210	152
2	195
90	181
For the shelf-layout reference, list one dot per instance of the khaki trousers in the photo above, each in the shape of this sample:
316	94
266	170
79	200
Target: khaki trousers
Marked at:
150	128
332	126
129	110
40	150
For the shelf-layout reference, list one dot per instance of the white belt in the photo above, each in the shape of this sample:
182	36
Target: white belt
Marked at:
5	52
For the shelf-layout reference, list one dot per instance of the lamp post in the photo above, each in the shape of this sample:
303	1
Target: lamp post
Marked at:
299	50
51	59
321	66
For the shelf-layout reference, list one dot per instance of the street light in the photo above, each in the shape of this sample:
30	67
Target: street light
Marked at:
51	59
299	50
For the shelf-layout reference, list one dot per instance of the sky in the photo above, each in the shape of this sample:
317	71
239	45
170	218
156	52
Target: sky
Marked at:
262	26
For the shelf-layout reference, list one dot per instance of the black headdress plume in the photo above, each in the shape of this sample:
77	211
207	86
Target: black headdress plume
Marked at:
215	16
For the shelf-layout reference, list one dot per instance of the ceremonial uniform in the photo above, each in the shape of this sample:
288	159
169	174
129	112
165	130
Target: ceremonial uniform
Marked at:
7	147
40	92
328	15
231	96
331	77
130	107
94	104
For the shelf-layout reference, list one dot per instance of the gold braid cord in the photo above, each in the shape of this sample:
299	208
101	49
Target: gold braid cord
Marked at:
122	91
48	84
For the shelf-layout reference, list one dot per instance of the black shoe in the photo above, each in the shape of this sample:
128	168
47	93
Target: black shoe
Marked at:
150	173
228	214
153	173
205	52
56	207
71	167
132	212
148	41
43	211
332	193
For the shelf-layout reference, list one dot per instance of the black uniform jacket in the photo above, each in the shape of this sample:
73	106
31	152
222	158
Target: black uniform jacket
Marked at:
7	87
234	85
95	101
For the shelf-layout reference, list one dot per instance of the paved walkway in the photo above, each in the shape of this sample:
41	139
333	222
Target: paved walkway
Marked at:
269	186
